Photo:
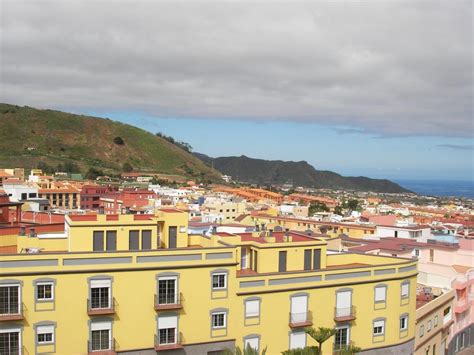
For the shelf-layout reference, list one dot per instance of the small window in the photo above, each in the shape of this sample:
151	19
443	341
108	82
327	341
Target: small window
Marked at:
380	294
45	334
436	320
44	291
428	325
100	336
218	320
379	327
404	322
98	241
251	342
133	241
146	239
405	291
252	308
422	330
219	281
111	241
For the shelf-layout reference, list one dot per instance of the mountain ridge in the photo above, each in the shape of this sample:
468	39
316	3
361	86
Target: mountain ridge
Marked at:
300	173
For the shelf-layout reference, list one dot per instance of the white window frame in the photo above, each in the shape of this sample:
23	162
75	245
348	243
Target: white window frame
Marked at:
252	314
20	338
249	339
376	300
405	318
406	294
176	291
174	325
297	333
224	320
45	329
447	318
107	325
219	274
378	324
109	286
348	328
45	283
436	320
429	325
421	331
19	296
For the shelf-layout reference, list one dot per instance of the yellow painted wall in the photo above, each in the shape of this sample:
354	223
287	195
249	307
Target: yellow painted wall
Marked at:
134	288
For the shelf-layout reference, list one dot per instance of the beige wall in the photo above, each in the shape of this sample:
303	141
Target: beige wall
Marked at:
432	327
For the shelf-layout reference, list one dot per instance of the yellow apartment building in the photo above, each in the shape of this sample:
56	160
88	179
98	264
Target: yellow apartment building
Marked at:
350	229
223	211
433	322
141	285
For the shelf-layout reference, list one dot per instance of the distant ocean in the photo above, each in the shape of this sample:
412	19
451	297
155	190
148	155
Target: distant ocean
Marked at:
439	187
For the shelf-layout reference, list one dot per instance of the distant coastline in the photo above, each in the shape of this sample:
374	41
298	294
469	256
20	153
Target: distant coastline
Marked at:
441	188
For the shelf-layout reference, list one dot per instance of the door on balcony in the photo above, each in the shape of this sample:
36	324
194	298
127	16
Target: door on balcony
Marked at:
167	290
299	309
9	342
100	294
243	258
101	336
343	303
9	299
167	330
341	338
172	235
297	339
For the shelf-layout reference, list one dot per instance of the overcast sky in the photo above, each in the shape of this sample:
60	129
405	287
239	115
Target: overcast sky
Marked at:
378	69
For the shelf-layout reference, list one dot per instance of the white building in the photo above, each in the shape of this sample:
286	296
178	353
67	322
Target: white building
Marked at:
417	232
19	191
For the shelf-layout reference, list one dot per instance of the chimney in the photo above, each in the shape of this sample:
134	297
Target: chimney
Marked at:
22	231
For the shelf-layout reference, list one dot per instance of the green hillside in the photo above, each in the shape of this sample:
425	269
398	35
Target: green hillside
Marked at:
29	136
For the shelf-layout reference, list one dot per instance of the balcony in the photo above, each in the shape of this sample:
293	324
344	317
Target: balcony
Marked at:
461	306
110	351
168	302
167	346
344	314
14	314
101	311
301	320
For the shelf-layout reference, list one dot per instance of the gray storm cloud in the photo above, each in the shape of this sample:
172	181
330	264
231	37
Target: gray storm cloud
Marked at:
387	68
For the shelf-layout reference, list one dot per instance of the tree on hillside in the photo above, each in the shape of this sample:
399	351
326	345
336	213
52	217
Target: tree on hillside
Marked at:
338	210
127	167
317	207
119	141
93	173
352	205
45	168
71	167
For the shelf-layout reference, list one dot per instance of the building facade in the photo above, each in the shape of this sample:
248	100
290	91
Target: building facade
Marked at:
139	284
